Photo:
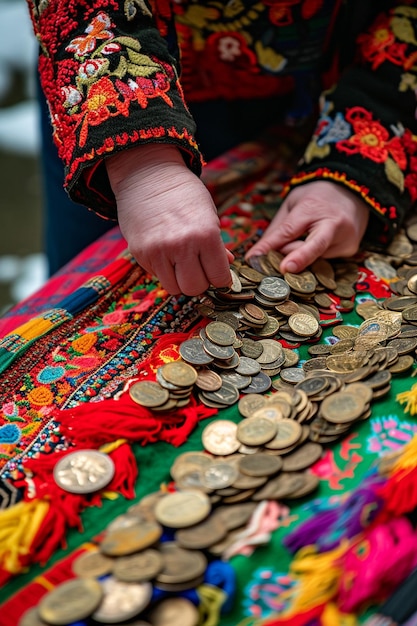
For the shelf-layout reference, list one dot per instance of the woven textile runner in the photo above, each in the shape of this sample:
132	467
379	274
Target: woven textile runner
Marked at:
105	334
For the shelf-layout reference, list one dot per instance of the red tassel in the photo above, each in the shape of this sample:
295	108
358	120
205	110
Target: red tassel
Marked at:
66	508
94	424
301	619
399	494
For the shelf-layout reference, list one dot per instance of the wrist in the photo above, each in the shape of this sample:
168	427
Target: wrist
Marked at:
143	161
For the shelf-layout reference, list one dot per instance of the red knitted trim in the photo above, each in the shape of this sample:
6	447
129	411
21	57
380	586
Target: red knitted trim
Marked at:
339	177
141	135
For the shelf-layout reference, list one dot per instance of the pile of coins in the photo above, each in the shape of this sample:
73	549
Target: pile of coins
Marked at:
240	351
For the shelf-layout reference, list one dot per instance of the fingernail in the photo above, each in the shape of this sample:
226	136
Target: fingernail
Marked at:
291	267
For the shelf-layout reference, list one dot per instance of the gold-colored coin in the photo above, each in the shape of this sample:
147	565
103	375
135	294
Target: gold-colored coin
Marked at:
288	433
129	540
304	282
260	464
139	567
92	565
203	535
342	407
220	333
179	373
148	393
174	612
71	601
180	565
256	431
303	324
248	404
182	509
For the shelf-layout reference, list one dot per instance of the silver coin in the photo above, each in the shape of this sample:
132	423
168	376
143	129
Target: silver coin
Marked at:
122	601
220	475
192	351
274	288
84	471
248	366
260	383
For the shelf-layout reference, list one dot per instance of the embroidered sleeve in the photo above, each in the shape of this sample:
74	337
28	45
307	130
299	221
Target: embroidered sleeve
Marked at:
111	83
365	138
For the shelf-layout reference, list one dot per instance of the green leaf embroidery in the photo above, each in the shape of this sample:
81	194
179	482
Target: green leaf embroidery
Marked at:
394	174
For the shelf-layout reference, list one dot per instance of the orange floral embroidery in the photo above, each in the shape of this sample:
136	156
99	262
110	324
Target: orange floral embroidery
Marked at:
41	396
84	343
97	29
102	103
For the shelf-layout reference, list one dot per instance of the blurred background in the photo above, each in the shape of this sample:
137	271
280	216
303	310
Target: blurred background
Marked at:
22	264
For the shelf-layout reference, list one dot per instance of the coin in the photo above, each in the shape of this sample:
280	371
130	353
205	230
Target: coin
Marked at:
179	373
260	464
219	437
342	407
128	540
71	601
192	352
84	471
148	393
180	565
302	458
207	380
274	288
219	475
139	567
256	431
220	333
248	404
182	509
288	433
235	515
260	383
92	565
202	535
31	618
174	612
279	487
303	324
122	601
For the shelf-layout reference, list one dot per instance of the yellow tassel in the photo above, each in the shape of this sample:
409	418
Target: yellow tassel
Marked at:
408	458
332	616
410	398
113	445
211	602
19	525
318	576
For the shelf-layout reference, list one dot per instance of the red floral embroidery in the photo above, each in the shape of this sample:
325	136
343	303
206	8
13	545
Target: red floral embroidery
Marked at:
370	139
379	44
97	29
102	103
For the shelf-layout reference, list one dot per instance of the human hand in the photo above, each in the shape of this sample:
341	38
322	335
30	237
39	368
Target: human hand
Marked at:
168	219
333	219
